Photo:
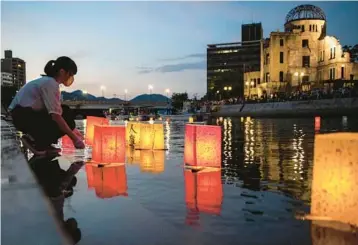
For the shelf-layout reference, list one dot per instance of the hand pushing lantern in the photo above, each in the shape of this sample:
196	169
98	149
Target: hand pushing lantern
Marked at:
90	123
202	145
335	177
109	144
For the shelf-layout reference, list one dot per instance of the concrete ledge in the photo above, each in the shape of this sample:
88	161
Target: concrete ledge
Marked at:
26	214
333	107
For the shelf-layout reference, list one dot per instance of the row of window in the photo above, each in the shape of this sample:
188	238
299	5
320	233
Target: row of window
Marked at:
313	28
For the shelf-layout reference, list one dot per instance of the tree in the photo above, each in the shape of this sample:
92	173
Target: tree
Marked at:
178	99
353	51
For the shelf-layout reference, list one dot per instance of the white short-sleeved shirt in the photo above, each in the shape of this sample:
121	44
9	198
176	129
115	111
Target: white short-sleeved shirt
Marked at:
40	94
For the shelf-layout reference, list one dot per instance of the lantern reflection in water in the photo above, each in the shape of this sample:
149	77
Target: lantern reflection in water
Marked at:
335	177
152	161
108	181
132	156
151	137
109	144
202	145
132	133
89	174
91	122
203	190
67	145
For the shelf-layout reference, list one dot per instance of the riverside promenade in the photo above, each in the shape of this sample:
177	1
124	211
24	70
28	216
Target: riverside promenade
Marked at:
27	217
325	107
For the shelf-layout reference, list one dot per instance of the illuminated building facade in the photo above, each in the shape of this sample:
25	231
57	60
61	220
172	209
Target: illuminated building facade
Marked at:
227	63
16	67
302	57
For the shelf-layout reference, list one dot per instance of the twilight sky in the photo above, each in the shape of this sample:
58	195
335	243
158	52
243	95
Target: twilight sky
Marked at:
129	45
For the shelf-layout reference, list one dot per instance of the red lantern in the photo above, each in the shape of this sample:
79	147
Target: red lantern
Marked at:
317	123
202	145
91	122
203	190
109	144
67	145
110	180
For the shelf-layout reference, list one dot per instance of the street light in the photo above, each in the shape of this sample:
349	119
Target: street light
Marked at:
125	94
103	88
229	88
150	88
225	88
84	92
167	91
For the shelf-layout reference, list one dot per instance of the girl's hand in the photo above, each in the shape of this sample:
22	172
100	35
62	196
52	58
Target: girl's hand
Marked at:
78	133
79	144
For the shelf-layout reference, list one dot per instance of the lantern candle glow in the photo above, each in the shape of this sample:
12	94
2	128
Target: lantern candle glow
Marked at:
335	177
90	123
132	134
109	144
202	145
151	137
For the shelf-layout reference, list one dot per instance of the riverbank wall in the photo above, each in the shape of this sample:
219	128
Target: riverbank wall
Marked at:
327	107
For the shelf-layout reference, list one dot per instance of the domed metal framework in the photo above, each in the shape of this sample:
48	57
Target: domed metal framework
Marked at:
305	12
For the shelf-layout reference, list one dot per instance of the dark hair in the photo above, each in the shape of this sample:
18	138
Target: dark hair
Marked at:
54	66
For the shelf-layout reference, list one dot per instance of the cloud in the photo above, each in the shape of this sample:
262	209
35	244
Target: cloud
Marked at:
190	56
201	65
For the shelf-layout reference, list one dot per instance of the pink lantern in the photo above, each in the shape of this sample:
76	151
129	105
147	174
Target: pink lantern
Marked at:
202	145
91	122
109	144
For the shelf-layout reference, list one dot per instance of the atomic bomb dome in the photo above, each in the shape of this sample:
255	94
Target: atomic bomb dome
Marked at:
305	12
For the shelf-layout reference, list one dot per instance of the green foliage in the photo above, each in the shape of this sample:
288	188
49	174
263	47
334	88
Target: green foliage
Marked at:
178	99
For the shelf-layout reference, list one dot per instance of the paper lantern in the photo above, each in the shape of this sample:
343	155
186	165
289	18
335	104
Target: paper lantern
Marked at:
191	119
317	123
67	145
132	134
332	233
110	180
151	137
89	174
335	177
203	190
152	161
90	123
202	145
132	156
109	144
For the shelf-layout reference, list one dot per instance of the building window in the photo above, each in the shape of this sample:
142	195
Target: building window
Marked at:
281	57
333	53
332	74
267	77
310	27
303	28
305	61
352	77
305	43
267	59
258	80
342	72
281	42
281	76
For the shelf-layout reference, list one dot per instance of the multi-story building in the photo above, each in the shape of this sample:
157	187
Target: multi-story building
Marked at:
6	79
16	67
227	63
302	57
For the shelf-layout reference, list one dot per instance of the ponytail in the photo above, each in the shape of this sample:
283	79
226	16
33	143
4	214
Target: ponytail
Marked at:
50	68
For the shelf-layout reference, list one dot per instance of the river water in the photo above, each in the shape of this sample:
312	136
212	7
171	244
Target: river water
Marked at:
264	182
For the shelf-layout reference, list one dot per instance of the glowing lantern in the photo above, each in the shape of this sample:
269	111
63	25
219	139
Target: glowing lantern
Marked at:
203	190
132	156
89	173
335	177
110	180
132	134
67	145
332	233
151	137
202	145
109	144
317	123
191	119
152	161
91	122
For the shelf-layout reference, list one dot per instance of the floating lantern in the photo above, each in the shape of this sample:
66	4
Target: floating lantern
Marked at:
132	134
91	122
152	161
191	119
335	177
132	156
109	144
67	145
202	145
317	123
151	137
203	190
110	180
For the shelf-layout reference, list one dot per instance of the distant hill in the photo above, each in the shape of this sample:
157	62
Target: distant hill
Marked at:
78	95
150	97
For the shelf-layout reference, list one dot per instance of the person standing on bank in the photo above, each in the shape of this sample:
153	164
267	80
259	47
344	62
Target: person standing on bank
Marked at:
36	109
